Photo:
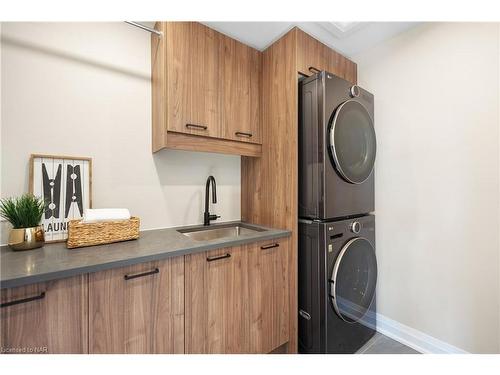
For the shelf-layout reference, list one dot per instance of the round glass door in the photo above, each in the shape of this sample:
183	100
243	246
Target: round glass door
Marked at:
354	279
353	142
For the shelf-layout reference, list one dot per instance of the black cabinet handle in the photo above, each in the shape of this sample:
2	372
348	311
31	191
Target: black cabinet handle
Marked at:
198	127
265	247
218	257
312	69
24	300
242	134
128	277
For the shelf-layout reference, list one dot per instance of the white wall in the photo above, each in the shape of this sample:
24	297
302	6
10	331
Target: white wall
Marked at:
499	186
437	180
84	89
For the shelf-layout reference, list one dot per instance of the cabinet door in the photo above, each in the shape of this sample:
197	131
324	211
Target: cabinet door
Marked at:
216	302
268	295
310	54
241	94
313	56
193	79
340	66
138	309
48	317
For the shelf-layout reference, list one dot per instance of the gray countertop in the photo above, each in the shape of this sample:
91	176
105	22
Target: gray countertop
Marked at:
55	261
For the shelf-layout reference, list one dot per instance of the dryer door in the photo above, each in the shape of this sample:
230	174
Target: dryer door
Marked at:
352	141
353	280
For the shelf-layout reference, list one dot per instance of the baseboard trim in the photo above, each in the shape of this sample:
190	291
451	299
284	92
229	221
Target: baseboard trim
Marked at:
413	338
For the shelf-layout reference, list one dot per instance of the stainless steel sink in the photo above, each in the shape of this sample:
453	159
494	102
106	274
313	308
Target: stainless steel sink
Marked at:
219	231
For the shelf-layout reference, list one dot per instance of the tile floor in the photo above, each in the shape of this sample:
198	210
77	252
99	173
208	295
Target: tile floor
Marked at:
380	344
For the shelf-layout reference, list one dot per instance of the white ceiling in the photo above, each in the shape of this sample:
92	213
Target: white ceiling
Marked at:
359	37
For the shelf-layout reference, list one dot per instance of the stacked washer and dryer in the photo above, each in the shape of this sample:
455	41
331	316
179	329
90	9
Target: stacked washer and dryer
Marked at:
337	263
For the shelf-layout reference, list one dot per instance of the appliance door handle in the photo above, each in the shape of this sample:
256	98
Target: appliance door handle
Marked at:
197	127
218	257
134	276
23	300
265	247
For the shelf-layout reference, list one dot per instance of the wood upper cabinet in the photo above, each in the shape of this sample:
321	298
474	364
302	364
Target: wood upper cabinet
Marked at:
311	54
217	302
138	309
49	317
314	56
193	79
241	66
269	295
205	91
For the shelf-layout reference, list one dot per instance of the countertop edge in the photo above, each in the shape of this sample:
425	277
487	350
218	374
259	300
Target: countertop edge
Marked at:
56	275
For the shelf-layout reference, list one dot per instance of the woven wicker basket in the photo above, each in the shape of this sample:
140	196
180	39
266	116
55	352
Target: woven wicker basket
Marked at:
90	234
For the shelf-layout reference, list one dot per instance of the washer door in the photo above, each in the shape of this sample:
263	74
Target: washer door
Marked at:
353	142
354	279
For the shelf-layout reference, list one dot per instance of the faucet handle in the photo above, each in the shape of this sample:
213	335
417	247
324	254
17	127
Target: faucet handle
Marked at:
214	217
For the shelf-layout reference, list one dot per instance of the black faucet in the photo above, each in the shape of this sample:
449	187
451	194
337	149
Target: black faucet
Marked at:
206	215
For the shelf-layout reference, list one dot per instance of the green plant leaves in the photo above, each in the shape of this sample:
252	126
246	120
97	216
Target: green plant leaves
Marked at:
23	212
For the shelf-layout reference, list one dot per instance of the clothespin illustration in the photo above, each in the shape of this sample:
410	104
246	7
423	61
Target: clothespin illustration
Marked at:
73	189
51	192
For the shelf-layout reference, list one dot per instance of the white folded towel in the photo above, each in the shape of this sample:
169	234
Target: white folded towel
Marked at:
94	215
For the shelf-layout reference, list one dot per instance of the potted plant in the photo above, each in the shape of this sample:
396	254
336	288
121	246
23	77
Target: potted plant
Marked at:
24	213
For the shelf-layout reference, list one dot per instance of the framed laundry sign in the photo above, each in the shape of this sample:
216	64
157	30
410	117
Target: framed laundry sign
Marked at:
65	185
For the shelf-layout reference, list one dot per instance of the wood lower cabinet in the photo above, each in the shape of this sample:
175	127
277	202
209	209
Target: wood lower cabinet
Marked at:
217	302
237	299
268	295
48	317
138	309
230	300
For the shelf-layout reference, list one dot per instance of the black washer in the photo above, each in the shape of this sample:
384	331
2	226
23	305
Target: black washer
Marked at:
337	148
337	272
